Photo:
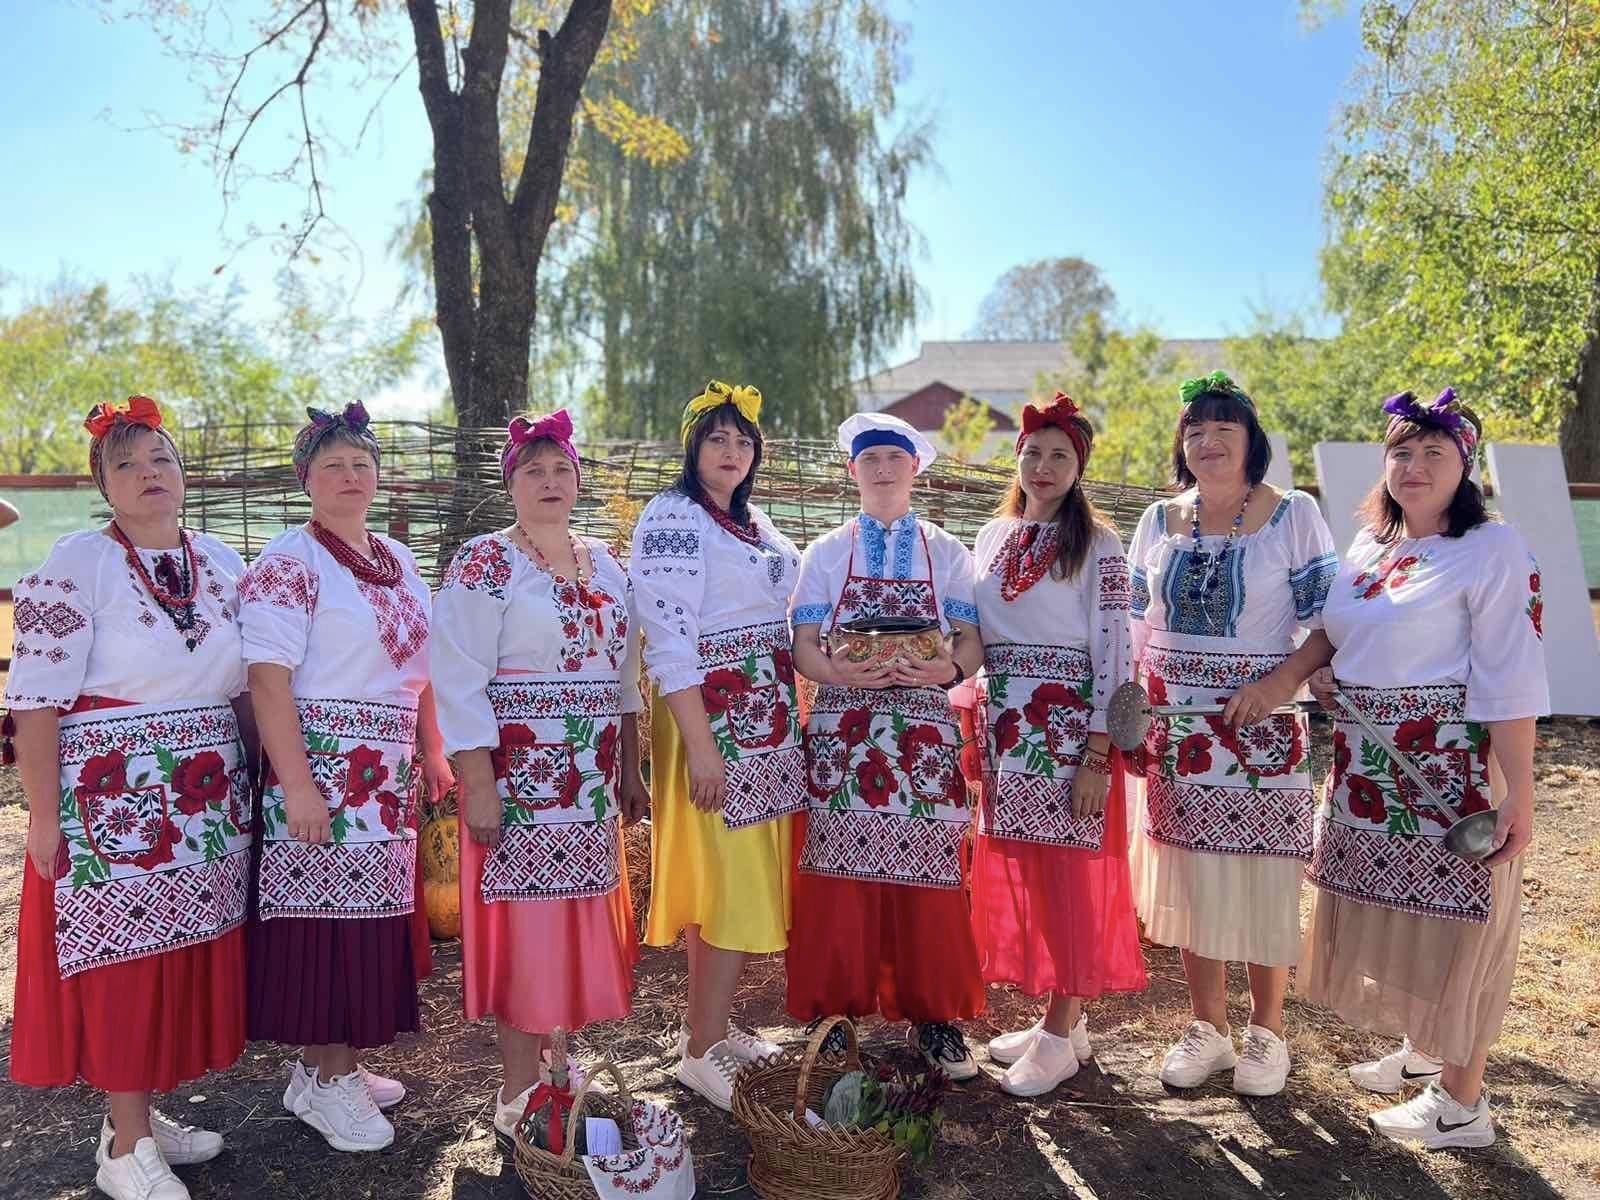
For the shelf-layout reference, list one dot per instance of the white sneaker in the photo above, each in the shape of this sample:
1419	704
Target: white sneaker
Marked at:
1048	1062
508	1112
1394	1072
1263	1066
1436	1119
747	1047
180	1145
1199	1053
1009	1047
944	1046
141	1174
711	1074
386	1092
342	1111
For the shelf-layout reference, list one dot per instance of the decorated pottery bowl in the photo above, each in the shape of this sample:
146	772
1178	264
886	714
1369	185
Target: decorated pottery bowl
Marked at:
881	639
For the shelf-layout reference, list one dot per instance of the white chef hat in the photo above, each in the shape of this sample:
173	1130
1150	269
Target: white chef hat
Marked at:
880	429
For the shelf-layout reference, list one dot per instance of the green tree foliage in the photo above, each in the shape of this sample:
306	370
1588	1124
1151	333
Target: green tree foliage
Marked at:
1464	209
222	380
775	252
1044	300
1126	381
967	426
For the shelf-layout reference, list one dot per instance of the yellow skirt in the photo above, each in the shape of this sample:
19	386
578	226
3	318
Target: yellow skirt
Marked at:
733	883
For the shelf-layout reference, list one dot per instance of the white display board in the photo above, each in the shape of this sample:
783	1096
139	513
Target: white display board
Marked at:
1531	493
1346	472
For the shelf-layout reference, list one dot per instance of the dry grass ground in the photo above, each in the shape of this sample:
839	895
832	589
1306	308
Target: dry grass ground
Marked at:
1113	1132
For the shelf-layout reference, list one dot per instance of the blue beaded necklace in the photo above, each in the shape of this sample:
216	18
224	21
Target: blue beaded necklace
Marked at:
1201	587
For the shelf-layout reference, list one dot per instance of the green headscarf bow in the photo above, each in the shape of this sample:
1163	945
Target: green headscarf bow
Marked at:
1217	381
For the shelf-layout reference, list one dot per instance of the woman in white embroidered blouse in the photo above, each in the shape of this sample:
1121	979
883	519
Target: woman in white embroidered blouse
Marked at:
126	668
536	674
1052	904
1223	578
1436	619
335	623
711	579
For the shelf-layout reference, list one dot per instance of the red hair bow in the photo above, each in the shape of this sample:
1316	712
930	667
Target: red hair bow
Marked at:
139	410
1065	415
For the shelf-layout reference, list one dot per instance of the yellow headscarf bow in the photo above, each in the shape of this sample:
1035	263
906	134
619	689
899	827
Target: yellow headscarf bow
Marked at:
746	399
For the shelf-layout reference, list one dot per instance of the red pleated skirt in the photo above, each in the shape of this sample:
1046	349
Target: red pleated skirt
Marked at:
144	1025
1059	919
858	948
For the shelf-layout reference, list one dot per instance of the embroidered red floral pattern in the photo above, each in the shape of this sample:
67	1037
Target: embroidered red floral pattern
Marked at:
281	582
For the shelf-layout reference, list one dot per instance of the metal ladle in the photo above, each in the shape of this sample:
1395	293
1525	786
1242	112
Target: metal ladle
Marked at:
1129	714
1470	837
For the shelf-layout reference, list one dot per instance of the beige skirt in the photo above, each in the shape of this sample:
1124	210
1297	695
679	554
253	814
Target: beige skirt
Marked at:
1233	907
1444	982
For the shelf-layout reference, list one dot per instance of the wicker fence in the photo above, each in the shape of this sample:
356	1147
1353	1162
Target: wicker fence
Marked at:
439	481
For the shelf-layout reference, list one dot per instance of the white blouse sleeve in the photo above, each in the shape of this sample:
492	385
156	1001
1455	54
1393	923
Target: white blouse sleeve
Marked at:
277	599
813	596
632	696
53	616
669	580
1312	560
1109	646
959	597
464	648
1138	581
1506	676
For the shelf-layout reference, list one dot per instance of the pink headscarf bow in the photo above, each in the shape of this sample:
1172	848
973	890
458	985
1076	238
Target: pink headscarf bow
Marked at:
557	427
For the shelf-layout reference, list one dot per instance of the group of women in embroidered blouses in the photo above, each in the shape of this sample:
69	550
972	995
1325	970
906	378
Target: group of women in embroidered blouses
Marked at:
158	685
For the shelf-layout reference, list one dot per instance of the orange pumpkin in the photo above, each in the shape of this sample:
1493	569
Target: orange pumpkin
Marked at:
439	847
443	901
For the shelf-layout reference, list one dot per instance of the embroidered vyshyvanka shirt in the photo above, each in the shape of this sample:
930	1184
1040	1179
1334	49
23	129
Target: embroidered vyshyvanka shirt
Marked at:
358	660
154	801
1204	624
1435	638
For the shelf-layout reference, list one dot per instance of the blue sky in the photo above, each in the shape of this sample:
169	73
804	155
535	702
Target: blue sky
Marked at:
1179	146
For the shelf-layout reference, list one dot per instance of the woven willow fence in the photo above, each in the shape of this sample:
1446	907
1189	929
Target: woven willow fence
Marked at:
439	482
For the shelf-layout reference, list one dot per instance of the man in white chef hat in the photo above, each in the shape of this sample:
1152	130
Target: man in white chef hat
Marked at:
880	913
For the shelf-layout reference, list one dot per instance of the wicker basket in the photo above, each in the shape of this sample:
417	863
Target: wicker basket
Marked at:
563	1176
791	1160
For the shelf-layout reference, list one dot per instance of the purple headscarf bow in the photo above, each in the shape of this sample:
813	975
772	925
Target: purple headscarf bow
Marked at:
1446	414
557	427
354	419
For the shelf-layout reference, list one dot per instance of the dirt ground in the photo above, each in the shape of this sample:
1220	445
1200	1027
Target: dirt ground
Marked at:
1114	1131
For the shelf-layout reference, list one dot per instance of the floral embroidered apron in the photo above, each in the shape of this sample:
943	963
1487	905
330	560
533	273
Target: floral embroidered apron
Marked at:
1037	701
556	769
1377	840
155	821
888	803
362	755
749	696
1211	787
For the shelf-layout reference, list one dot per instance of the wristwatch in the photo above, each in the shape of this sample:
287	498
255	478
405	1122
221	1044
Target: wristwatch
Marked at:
958	680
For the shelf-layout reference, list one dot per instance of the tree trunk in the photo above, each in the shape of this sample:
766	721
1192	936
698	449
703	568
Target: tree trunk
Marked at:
1580	428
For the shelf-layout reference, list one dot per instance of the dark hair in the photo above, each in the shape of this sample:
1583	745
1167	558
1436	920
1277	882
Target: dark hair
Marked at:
1382	512
1076	519
726	416
1222	406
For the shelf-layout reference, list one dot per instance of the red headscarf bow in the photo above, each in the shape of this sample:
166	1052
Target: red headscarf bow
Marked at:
1065	416
557	427
139	410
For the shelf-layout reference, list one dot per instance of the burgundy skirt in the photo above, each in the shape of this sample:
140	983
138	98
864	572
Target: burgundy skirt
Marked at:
315	981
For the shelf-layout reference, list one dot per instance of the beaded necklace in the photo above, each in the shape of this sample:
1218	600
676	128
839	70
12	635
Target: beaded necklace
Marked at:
1200	589
384	570
1029	552
177	602
747	534
543	563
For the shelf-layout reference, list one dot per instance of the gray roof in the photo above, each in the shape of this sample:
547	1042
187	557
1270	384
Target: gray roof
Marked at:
996	371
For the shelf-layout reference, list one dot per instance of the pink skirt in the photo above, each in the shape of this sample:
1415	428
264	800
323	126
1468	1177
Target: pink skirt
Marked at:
1059	919
536	964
